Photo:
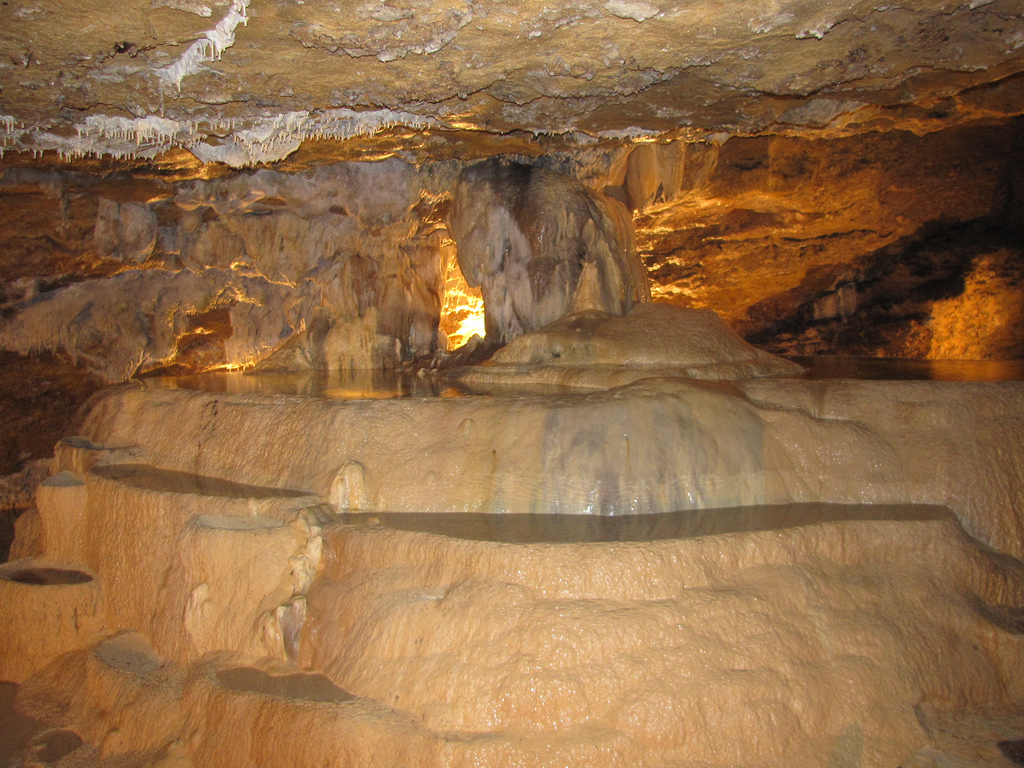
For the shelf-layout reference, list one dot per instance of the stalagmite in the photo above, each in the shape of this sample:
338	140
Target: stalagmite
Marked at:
540	246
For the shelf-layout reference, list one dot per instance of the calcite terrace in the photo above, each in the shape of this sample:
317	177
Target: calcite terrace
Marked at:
666	572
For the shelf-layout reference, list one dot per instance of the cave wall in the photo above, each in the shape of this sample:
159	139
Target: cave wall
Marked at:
334	268
884	244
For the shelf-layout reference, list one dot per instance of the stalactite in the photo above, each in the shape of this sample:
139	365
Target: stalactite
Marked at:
209	47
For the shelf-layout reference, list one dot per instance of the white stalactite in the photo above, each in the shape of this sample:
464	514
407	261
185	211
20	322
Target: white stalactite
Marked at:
209	47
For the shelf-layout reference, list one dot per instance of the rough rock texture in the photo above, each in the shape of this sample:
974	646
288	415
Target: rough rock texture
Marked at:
782	162
208	525
39	397
956	295
677	444
879	243
781	234
826	176
232	554
49	609
341	262
195	74
586	653
539	246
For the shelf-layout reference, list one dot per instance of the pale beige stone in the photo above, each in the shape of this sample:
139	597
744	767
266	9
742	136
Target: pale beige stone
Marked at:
595	350
196	563
815	635
117	695
48	609
313	724
756	647
654	446
61	500
775	637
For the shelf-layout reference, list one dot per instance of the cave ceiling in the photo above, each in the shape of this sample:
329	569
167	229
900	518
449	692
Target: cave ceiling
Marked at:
247	81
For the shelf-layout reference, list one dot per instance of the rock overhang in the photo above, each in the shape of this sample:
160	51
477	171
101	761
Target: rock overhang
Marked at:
246	82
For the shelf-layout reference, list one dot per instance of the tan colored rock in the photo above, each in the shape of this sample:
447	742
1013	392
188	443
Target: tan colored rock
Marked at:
229	704
742	648
197	564
653	446
168	77
126	231
763	636
770	637
340	263
899	441
48	609
595	350
62	501
117	695
521	454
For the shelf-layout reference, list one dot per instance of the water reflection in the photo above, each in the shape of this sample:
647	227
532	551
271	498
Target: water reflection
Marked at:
373	384
875	368
335	385
686	524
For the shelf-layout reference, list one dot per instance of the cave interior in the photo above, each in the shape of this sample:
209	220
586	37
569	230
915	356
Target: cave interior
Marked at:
307	291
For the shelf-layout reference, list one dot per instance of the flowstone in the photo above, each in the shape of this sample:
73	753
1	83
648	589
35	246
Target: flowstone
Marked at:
763	572
540	245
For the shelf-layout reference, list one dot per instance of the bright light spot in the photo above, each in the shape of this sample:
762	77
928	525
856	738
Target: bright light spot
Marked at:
462	310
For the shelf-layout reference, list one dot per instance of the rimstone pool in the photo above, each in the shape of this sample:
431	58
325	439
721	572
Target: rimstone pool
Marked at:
308	571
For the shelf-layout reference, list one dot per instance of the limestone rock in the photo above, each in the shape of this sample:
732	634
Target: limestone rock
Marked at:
598	350
118	695
167	78
49	609
339	261
438	632
676	444
518	645
540	246
126	231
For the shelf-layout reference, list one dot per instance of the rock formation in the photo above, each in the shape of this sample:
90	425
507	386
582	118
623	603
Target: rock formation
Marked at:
339	261
593	349
632	538
232	567
540	246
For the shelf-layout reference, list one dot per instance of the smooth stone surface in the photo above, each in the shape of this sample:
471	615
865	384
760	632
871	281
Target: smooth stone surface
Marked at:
593	529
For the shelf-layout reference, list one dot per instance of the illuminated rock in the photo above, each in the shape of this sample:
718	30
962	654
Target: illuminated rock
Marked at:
197	564
657	445
595	350
433	633
754	636
530	643
184	594
539	246
117	695
335	269
49	609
